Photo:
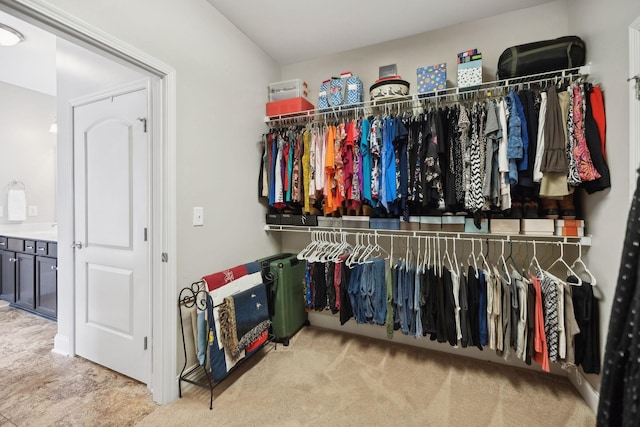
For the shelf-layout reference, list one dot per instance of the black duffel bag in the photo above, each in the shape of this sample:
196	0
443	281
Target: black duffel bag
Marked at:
542	56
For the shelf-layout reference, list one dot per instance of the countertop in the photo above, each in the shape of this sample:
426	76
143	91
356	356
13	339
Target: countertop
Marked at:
49	236
46	231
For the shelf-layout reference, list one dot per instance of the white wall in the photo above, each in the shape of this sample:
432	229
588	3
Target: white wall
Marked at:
28	149
605	28
221	81
490	36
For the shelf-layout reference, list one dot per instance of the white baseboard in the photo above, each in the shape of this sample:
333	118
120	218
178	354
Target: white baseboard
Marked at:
61	345
586	390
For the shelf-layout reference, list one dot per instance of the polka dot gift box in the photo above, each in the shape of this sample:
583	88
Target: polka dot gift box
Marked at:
432	78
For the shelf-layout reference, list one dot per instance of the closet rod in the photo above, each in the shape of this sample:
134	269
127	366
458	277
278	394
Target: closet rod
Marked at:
516	238
415	99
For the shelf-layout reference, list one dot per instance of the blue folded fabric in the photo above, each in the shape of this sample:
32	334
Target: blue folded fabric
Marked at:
253	267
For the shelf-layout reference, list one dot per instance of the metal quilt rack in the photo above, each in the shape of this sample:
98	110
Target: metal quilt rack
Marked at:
197	297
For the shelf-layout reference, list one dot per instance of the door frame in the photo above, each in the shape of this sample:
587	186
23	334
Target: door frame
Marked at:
163	209
634	105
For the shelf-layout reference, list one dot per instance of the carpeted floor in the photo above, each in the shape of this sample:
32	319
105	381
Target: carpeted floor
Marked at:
323	378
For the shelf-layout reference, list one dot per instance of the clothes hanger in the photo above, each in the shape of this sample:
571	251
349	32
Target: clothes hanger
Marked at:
511	259
487	271
472	257
592	278
455	257
534	262
503	264
561	261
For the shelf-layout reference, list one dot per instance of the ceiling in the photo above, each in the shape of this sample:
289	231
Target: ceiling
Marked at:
32	63
292	31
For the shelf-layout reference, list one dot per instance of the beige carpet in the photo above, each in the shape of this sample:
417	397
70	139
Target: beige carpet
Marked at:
322	378
326	378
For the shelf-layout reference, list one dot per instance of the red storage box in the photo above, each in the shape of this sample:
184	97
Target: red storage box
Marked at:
288	106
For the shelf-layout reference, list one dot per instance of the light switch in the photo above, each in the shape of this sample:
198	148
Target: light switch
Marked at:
32	210
198	216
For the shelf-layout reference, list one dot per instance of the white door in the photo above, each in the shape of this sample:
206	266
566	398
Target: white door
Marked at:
111	198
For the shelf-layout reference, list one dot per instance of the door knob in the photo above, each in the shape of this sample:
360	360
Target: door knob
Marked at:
77	245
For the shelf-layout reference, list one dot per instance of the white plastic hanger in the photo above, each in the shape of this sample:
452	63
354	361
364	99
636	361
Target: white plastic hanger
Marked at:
534	262
592	279
472	257
485	264
564	263
503	264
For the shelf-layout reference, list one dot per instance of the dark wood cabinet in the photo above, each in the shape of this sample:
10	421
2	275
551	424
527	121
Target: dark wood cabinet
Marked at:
25	281
8	275
47	286
29	275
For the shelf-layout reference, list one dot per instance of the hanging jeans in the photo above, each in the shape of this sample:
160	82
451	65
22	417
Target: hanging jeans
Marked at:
354	294
373	290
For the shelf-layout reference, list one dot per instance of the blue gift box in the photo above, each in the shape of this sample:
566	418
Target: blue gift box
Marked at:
432	78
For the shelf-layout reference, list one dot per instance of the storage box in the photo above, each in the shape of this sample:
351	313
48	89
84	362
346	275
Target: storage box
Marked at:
387	71
470	73
570	223
288	89
537	226
286	219
453	223
384	223
288	106
349	221
306	220
273	219
504	226
431	223
432	78
470	226
329	222
570	231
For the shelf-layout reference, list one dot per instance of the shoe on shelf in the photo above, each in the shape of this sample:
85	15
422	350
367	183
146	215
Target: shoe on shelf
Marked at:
567	207
531	209
550	209
516	210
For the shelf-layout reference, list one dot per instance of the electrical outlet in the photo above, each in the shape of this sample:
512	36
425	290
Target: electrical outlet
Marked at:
32	211
198	216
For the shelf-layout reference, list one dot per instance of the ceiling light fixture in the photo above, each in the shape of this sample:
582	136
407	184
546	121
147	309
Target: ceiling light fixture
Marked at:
9	36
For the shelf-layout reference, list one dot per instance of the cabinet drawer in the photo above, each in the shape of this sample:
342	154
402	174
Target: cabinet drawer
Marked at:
30	246
15	245
3	243
42	248
52	249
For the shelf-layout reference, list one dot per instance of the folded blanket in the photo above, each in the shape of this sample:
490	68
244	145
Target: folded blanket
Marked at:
243	319
221	278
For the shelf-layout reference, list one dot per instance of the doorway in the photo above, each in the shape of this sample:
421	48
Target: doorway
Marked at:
162	342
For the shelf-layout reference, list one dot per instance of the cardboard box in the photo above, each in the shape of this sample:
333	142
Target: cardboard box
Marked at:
288	107
329	222
453	223
570	231
537	226
286	219
273	219
570	223
304	220
384	223
470	73
504	226
350	221
470	226
432	78
431	223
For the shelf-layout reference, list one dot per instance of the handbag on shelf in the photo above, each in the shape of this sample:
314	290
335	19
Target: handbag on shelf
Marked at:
541	57
341	91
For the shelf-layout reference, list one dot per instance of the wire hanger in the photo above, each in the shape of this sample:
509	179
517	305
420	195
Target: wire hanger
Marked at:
487	271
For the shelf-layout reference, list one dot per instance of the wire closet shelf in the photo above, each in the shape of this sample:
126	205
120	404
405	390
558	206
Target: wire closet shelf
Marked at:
486	89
